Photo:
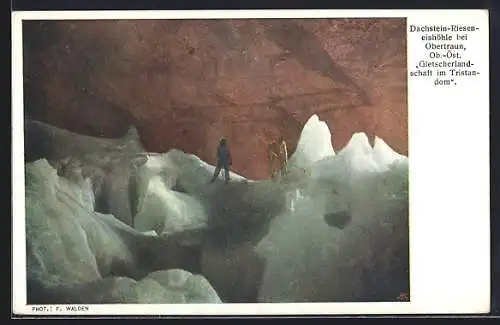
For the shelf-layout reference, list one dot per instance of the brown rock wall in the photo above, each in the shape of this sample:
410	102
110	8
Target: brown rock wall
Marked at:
185	83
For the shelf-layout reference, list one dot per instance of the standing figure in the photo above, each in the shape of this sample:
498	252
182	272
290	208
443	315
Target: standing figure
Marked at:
223	160
277	157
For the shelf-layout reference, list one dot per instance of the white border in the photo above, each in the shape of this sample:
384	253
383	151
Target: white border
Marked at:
449	177
227	14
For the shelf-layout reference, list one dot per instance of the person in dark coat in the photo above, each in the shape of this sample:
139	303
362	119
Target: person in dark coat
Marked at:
223	160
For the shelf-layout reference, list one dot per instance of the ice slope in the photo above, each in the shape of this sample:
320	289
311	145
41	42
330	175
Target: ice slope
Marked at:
385	156
173	193
70	247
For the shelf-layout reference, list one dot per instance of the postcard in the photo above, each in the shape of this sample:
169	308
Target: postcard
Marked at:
252	162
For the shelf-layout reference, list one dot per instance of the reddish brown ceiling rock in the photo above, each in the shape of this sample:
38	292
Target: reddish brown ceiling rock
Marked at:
185	83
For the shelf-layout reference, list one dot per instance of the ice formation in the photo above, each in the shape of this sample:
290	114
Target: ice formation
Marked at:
169	286
70	247
168	211
314	144
339	232
362	194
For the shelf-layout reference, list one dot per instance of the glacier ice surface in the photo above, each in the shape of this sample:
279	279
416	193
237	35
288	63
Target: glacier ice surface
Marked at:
339	232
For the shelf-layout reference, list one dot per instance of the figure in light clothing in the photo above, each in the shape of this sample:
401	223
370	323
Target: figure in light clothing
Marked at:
277	158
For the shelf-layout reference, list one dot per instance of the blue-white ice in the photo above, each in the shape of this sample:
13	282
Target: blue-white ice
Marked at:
367	185
72	250
314	144
338	226
166	211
